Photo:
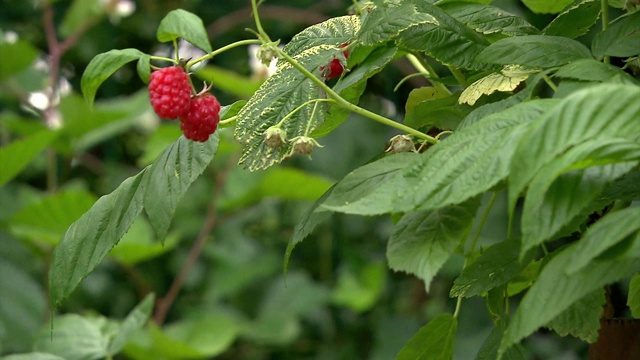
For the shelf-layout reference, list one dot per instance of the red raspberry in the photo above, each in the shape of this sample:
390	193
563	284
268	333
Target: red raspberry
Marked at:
170	92
201	120
335	67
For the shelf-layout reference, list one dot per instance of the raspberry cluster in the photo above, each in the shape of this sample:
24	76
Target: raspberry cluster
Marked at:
171	97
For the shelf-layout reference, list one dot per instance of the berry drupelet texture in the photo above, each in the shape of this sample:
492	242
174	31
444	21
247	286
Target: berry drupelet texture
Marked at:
170	92
201	120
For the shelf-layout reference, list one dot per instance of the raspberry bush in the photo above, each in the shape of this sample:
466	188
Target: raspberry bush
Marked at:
507	190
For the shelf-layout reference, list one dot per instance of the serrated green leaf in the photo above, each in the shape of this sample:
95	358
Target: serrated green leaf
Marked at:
444	113
16	57
621	39
498	265
575	20
555	287
18	154
433	341
487	19
170	176
586	114
536	51
564	190
546	6
467	163
134	321
102	66
139	244
47	220
386	21
335	31
368	187
73	337
604	234
633	300
582	318
489	349
423	241
506	80
279	96
144	68
183	24
89	239
446	39
593	70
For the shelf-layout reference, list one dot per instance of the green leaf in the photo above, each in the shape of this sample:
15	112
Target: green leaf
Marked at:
170	176
429	106
489	349
359	290
73	337
183	24
610	230
369	187
555	286
423	241
136	319
81	14
280	95
498	265
16	57
506	80
468	163
208	334
144	68
90	238
564	190
621	39
335	31
139	244
229	81
575	20
582	319
32	356
433	341
586	114
386	21
593	70
536	51
546	6
18	154
633	300
102	66
48	219
445	38
487	19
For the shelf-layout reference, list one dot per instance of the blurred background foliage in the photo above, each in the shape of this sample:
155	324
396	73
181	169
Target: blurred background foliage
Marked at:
339	300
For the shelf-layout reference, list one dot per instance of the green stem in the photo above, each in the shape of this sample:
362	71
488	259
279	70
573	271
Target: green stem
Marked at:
551	84
289	115
458	75
223	49
349	106
604	5
428	71
175	50
162	58
474	241
229	120
263	35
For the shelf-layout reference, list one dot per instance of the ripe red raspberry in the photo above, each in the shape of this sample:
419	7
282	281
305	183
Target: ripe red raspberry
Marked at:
170	92
201	120
335	67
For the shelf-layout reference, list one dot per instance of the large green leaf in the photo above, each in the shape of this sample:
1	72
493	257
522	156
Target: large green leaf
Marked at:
604	234
582	319
622	38
423	241
32	356
74	337
335	31
593	70
481	275
565	189
508	79
429	106
487	19
586	114
446	39
433	341
369	187
206	334
537	51
183	24
386	21
554	286
489	349
18	154
170	176
281	95
633	300
101	67
575	20
546	6
89	239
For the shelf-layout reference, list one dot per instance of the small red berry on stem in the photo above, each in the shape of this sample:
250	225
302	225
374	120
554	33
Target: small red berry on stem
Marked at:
170	92
202	118
335	67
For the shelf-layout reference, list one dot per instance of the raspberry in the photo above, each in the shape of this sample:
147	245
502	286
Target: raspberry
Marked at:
201	120
335	67
170	92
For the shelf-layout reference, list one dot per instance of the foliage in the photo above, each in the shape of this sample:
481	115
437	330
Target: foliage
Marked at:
541	118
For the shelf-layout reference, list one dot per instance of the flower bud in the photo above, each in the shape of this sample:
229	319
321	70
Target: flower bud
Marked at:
304	145
274	137
401	143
